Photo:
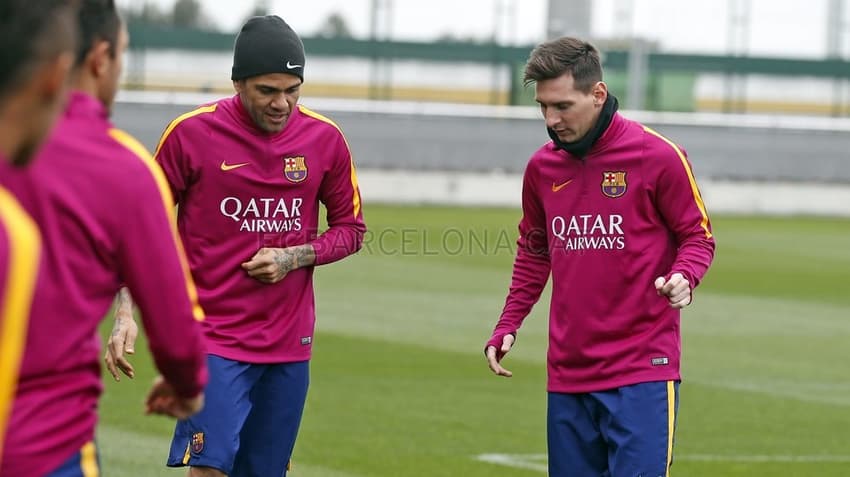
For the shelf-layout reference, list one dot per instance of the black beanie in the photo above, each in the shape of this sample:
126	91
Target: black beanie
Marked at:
267	45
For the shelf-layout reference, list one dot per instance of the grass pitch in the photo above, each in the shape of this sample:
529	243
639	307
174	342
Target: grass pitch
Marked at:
400	386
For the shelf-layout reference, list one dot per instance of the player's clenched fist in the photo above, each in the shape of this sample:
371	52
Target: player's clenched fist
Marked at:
677	290
162	399
270	265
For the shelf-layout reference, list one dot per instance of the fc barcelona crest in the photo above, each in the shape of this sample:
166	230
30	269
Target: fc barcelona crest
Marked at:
295	168
197	442
614	183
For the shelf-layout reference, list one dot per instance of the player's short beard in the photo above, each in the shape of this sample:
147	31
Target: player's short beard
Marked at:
270	128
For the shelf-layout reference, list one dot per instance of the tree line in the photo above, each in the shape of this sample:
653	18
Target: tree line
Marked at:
190	14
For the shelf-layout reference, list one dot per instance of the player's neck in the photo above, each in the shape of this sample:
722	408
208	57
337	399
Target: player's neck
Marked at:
581	147
13	124
85	83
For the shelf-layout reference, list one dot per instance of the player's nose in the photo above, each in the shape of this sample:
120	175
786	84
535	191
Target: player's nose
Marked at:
279	103
552	119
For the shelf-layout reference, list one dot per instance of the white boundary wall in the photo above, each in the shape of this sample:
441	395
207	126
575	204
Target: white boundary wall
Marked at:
410	108
503	190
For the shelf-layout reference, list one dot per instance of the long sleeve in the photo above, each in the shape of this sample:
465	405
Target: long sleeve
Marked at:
155	270
531	265
679	201
341	196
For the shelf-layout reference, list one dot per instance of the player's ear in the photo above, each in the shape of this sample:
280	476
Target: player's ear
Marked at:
99	58
600	93
53	76
239	86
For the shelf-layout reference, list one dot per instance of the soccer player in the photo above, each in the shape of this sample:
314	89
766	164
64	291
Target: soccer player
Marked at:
38	38
612	209
248	173
106	218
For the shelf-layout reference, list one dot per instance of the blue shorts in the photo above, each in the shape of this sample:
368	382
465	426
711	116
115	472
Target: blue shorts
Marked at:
622	432
249	421
82	464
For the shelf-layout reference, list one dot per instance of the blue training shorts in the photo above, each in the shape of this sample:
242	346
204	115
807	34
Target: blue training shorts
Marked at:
622	432
249	422
82	464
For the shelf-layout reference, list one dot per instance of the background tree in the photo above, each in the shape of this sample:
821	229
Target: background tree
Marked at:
189	14
260	9
186	13
146	12
335	26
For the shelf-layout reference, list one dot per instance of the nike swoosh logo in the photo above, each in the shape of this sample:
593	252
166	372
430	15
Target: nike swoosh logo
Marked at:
557	187
290	66
229	167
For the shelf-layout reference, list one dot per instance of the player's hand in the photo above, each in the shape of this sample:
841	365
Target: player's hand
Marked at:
493	356
163	400
270	265
121	340
677	290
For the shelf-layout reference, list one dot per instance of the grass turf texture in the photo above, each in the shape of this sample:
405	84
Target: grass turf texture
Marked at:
400	385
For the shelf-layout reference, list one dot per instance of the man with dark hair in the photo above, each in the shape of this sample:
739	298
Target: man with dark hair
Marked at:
248	173
38	38
106	218
612	209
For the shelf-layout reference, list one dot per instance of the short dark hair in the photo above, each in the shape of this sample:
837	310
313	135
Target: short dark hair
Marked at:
565	55
32	31
98	21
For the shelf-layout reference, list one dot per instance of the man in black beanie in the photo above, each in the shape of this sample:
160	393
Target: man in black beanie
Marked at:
267	45
248	173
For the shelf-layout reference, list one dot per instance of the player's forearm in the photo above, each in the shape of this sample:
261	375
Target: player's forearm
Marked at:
530	274
185	369
694	258
292	258
124	305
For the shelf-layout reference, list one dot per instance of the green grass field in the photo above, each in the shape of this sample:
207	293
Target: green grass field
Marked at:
400	386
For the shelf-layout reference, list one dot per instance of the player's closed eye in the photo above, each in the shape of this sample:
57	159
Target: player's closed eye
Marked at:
561	107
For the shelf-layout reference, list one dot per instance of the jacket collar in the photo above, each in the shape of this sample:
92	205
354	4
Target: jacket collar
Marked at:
596	137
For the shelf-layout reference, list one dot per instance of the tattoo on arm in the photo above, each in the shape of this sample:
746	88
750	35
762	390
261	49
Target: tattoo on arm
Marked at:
286	260
291	258
117	327
124	304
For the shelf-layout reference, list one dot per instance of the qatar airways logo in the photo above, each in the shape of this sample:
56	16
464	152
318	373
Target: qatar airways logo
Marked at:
264	214
589	232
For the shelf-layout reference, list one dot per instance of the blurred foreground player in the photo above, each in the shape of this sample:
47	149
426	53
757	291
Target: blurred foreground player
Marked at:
105	213
38	38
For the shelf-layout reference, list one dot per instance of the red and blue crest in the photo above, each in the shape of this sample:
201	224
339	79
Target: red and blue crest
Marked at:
197	442
295	168
614	183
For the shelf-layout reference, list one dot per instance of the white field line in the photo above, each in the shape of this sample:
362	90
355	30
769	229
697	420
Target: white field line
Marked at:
518	461
538	461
